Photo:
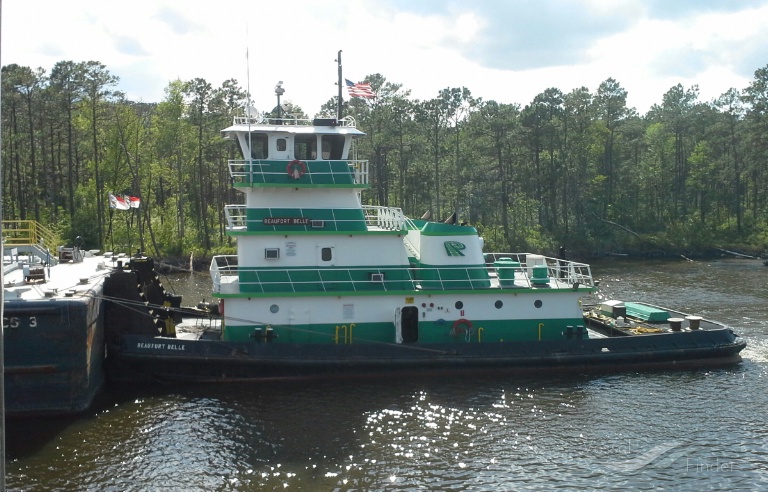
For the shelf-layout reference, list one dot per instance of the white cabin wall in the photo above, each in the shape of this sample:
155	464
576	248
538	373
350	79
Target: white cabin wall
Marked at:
432	250
302	250
301	198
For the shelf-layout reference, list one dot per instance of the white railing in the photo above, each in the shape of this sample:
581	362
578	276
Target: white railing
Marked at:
388	218
385	218
291	120
223	266
225	274
559	270
360	170
235	215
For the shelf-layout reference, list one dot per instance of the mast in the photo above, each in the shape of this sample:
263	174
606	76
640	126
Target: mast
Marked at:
338	109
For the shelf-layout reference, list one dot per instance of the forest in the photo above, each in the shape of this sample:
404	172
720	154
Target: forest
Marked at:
576	169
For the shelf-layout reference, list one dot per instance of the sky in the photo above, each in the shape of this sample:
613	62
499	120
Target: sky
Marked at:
503	50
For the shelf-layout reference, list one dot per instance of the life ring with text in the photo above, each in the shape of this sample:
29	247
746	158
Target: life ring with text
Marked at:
461	326
296	168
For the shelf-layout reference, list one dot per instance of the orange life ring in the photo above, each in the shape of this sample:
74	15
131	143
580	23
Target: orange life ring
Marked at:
296	168
458	327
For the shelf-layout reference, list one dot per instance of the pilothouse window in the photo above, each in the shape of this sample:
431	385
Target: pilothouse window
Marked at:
333	147
304	147
258	143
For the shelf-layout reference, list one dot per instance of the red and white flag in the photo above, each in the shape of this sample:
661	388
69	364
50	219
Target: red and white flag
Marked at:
134	201
118	202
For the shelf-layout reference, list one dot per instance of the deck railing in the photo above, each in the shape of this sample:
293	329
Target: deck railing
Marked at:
235	216
383	218
228	277
389	218
28	233
289	120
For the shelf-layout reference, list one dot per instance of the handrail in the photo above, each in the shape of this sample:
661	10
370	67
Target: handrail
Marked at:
289	120
561	275
376	218
389	218
29	233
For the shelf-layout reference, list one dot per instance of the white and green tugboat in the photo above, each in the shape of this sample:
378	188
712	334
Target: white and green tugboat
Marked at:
323	284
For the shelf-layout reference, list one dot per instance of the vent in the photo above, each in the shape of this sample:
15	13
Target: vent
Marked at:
318	223
272	253
377	277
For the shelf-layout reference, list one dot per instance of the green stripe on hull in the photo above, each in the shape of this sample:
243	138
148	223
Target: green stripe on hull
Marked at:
481	331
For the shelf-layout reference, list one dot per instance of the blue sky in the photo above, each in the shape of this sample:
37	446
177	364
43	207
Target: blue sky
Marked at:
507	51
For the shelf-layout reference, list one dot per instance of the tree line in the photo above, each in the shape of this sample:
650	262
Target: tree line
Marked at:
577	169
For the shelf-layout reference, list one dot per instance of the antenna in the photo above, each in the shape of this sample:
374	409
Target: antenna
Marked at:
248	105
279	91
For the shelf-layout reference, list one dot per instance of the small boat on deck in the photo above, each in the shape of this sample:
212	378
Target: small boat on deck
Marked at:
53	326
324	285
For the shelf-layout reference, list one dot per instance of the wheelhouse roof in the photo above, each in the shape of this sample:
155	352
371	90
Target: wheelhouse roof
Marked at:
296	127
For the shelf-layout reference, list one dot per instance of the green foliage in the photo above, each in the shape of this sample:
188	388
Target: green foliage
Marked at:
577	169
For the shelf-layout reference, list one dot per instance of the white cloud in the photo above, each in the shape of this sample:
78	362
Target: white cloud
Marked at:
506	51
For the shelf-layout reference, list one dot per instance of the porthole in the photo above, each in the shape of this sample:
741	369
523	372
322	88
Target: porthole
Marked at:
498	304
537	303
274	308
459	304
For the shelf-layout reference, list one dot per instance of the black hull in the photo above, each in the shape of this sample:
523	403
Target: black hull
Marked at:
142	358
54	356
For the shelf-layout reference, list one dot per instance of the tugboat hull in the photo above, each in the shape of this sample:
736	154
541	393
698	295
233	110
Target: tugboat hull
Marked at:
169	359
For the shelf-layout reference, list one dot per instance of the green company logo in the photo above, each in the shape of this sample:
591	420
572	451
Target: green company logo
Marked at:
454	248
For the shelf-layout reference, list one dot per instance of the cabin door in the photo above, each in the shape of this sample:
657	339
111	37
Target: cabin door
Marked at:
407	324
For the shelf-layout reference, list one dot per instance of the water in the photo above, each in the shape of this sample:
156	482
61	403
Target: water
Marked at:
689	430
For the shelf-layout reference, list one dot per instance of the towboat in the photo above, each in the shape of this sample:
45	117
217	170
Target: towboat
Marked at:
53	323
323	284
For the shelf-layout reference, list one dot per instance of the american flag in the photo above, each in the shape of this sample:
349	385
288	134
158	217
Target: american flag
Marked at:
360	90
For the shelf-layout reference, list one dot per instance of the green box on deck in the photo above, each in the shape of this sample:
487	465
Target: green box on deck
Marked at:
539	275
505	269
646	313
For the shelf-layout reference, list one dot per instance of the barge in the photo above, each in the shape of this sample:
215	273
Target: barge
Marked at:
53	329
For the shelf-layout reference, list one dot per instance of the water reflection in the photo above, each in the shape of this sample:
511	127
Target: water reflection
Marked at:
687	430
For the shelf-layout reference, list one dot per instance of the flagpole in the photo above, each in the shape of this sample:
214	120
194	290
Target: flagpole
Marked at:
338	110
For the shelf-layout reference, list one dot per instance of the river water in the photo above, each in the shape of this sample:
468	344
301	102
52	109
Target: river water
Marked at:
690	430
